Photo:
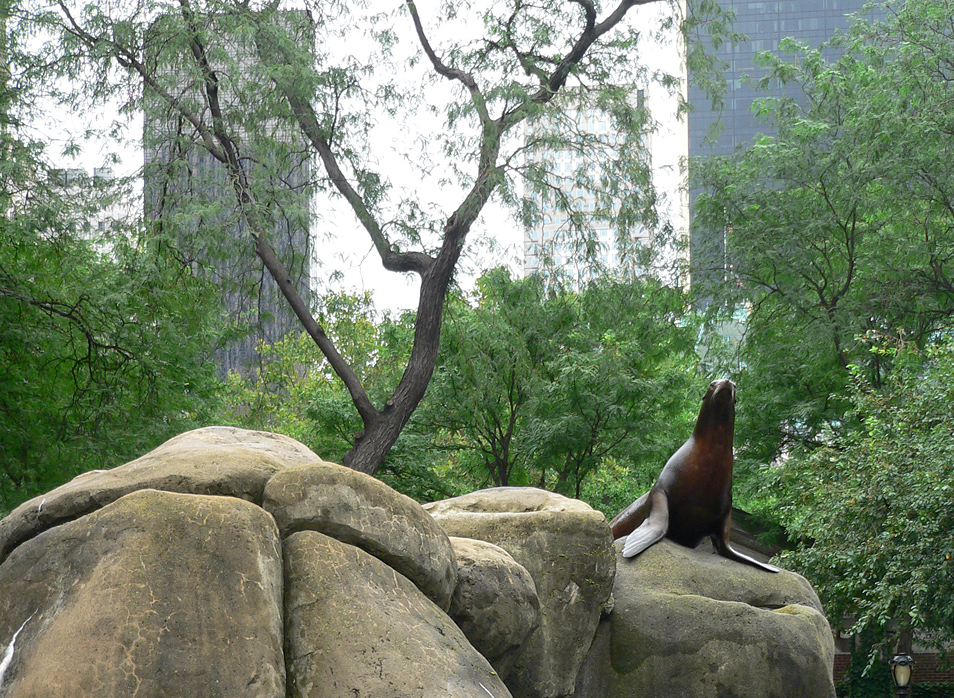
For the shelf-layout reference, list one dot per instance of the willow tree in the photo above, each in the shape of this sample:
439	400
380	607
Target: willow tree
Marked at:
466	86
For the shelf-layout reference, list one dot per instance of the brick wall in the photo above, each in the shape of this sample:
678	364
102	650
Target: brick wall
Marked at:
842	661
926	670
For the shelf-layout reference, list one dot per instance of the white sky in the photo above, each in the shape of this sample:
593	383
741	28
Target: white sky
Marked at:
351	255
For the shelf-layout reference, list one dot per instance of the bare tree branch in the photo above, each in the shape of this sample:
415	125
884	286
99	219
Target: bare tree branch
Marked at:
337	362
464	78
307	120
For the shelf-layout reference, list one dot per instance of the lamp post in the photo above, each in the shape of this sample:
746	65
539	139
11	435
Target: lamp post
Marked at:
901	667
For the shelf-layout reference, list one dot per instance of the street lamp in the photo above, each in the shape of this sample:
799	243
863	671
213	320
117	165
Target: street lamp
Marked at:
901	667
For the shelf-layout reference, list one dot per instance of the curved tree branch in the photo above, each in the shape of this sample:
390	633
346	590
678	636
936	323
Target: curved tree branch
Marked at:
337	362
128	60
591	32
257	228
271	55
461	76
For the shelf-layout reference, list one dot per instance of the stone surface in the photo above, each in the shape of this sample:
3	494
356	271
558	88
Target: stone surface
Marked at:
156	594
694	625
110	588
495	602
214	460
358	509
355	627
567	548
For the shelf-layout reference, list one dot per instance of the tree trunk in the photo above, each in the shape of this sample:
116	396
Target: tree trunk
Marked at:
371	446
383	428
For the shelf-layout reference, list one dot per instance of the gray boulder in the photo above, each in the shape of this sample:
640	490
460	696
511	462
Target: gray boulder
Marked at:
156	594
109	587
567	548
215	461
355	627
495	602
694	625
358	509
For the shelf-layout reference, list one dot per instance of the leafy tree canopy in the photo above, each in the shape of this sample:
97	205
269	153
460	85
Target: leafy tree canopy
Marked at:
585	394
873	507
473	87
840	233
839	227
104	339
544	387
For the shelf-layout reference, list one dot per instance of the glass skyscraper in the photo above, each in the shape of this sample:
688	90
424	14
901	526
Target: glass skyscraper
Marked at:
551	245
765	25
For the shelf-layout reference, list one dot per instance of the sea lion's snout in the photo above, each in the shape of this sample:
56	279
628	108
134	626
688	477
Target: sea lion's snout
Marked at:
722	390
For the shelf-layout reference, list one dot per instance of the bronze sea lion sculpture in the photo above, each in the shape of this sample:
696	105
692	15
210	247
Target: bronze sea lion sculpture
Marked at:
692	497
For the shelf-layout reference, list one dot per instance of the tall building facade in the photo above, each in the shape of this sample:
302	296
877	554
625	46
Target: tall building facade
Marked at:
98	212
551	244
188	193
705	131
765	25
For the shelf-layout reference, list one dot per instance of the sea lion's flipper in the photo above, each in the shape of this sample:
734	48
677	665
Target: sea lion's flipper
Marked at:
728	552
721	543
653	529
632	516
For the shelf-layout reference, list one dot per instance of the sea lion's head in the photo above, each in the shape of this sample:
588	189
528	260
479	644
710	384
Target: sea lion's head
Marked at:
720	392
718	406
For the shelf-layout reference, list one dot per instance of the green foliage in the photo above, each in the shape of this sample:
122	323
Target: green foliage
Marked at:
612	486
839	227
296	393
104	343
873	508
557	390
105	337
840	249
927	690
587	395
869	675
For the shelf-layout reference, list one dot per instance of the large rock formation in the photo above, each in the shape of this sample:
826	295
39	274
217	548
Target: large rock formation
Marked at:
691	624
109	587
357	509
156	594
495	602
215	460
357	628
210	565
567	548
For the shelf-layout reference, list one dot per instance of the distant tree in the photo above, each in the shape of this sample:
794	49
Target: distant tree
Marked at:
873	508
490	375
839	226
541	387
104	342
236	75
621	387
